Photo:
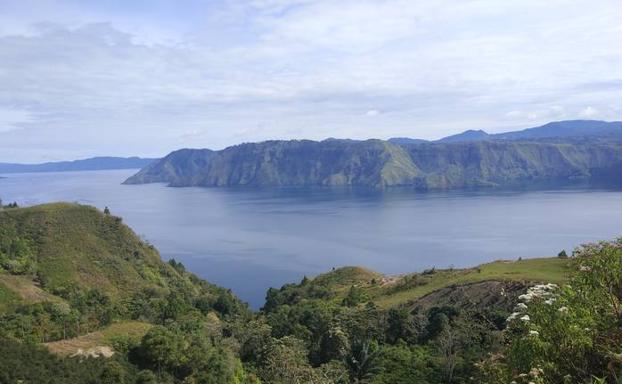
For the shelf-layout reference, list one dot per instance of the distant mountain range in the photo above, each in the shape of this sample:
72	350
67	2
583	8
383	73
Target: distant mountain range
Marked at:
512	159
558	129
92	164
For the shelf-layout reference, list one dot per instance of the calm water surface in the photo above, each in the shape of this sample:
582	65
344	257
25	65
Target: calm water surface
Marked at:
251	239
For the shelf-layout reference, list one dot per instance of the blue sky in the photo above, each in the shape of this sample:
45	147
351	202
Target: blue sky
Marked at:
85	78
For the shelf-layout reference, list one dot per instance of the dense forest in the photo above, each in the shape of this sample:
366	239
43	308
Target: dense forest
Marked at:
85	300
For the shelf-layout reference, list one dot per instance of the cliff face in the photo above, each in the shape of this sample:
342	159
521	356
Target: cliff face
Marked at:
286	163
376	163
511	163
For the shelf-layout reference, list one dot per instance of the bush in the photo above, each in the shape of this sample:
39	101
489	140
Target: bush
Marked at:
571	333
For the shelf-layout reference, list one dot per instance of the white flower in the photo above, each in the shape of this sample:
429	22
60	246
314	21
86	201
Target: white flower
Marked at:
512	316
534	333
525	318
525	297
549	301
520	307
584	268
563	309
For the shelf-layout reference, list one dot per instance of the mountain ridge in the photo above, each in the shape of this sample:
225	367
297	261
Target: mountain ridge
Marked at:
380	164
555	129
89	164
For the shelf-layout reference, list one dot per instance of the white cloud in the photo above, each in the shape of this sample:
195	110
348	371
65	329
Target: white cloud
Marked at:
589	112
110	78
12	119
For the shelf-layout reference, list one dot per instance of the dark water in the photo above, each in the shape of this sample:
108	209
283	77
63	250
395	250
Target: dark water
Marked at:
249	240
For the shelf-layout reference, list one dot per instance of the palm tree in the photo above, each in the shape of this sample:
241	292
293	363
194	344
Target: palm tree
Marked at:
362	361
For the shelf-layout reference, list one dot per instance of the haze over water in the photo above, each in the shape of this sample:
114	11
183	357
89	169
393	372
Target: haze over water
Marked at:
251	239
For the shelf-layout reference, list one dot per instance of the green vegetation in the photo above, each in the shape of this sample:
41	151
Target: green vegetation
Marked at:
379	164
77	282
117	336
414	286
570	333
83	283
356	285
429	327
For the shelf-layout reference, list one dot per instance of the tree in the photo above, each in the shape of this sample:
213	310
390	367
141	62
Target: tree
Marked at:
113	373
362	361
146	377
225	304
399	325
354	297
284	360
162	349
403	364
449	347
333	344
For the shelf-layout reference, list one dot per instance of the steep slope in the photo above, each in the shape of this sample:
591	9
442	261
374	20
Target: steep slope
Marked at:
174	168
473	164
285	163
431	287
379	164
66	244
58	253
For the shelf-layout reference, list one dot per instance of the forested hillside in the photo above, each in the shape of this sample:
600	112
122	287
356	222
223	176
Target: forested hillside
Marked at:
83	300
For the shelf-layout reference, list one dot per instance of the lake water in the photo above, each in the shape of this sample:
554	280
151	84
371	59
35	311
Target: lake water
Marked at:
251	239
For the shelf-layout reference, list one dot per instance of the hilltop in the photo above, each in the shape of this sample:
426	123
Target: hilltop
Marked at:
356	285
62	246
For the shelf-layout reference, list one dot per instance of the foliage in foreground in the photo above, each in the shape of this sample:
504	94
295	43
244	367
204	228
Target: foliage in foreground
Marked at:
321	331
568	334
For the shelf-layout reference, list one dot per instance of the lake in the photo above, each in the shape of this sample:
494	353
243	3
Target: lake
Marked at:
251	239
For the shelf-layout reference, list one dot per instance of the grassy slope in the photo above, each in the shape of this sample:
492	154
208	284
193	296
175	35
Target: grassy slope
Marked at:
21	289
532	270
384	291
133	330
77	246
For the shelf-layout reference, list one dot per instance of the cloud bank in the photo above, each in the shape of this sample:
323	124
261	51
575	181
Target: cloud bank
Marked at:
93	78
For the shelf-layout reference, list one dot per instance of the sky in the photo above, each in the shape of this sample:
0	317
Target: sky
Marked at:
124	78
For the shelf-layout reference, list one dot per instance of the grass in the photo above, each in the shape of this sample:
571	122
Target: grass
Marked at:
345	277
389	291
552	270
8	298
21	289
132	330
77	245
